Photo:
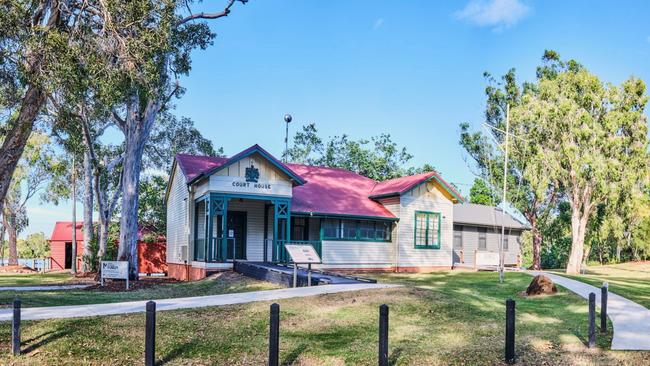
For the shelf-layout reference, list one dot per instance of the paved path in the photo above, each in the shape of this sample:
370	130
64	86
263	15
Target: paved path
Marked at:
74	311
631	321
43	288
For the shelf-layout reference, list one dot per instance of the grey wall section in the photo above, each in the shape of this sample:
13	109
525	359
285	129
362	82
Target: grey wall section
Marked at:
470	235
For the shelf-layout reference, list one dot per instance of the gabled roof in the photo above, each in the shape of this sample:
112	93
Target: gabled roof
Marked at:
399	186
335	191
63	231
195	167
481	215
321	190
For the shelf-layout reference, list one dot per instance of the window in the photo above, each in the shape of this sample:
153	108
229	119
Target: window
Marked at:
330	229
505	242
366	229
482	238
348	229
427	230
458	237
359	230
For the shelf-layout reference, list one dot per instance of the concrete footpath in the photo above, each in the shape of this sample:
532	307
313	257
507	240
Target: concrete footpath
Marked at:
75	311
631	321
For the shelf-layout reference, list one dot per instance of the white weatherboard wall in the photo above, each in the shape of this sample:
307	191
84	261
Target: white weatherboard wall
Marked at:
176	217
425	197
357	254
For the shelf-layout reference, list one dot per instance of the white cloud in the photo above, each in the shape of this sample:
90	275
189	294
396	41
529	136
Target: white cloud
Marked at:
499	14
378	23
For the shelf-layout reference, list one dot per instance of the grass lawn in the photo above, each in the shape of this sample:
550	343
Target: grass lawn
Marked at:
444	318
219	284
630	280
35	279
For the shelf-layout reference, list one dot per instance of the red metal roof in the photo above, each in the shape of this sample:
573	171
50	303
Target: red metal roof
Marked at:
63	231
402	185
193	165
336	192
326	191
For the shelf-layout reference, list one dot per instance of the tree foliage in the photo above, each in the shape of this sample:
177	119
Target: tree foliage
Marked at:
378	158
481	193
588	137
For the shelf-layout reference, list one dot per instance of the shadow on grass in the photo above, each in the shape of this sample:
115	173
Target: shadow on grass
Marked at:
176	352
293	355
44	339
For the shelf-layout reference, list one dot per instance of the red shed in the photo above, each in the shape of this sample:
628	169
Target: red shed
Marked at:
151	256
61	245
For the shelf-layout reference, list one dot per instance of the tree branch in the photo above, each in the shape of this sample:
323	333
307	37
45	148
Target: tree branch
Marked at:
203	15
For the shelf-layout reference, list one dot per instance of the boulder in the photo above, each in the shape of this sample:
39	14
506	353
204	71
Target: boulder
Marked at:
541	285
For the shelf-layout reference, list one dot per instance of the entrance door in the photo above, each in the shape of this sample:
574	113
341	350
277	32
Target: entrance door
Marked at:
236	235
68	255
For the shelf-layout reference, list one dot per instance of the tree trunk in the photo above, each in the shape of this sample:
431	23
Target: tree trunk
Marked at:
578	226
73	268
136	133
9	221
537	244
88	210
3	229
16	138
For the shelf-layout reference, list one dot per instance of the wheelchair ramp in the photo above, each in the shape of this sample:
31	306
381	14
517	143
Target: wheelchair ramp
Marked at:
283	275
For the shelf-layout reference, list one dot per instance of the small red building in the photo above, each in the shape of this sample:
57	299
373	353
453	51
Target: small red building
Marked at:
61	245
151	255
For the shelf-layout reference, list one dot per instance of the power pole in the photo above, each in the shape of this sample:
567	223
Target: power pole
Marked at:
73	267
503	201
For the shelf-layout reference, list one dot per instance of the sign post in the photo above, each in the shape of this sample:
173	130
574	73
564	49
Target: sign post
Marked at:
302	254
115	270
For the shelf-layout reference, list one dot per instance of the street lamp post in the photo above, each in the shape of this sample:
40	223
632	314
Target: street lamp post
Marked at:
287	119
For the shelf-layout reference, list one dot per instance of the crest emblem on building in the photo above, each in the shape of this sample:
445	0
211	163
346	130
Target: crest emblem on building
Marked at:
252	174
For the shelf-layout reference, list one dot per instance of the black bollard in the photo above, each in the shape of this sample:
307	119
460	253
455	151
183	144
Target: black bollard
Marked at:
603	308
383	335
510	331
150	335
15	329
274	335
592	320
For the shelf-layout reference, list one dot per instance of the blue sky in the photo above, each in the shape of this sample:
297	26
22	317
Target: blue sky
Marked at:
413	69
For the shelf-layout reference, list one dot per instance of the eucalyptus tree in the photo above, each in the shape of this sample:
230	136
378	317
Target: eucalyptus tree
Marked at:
533	195
151	42
35	57
588	137
30	176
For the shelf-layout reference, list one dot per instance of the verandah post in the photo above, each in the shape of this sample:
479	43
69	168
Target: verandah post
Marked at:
15	329
150	335
383	335
274	335
510	331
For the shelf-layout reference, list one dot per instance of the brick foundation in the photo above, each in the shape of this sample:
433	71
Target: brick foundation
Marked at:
184	272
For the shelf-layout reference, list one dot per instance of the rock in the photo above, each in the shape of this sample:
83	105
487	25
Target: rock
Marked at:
541	285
